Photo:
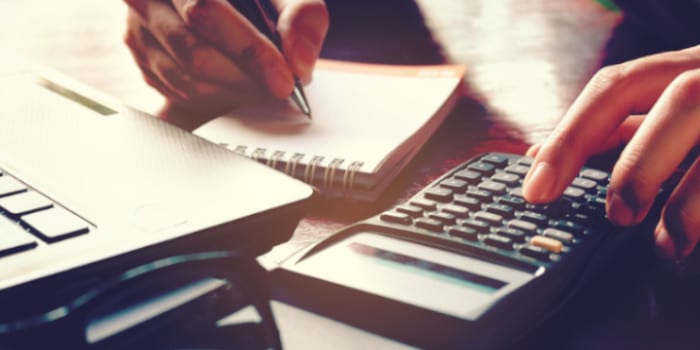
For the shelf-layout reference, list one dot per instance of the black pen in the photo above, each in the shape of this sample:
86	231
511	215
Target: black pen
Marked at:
269	28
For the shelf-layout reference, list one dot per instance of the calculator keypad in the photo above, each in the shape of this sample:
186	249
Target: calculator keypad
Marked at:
479	206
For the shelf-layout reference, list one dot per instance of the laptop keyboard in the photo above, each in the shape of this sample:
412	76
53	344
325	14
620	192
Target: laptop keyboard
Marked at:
28	218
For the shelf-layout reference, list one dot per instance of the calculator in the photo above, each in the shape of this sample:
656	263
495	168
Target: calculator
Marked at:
464	263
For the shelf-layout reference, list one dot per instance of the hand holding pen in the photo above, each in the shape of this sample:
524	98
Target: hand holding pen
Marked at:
208	55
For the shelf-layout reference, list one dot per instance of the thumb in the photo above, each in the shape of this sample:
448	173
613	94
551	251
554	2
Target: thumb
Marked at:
302	24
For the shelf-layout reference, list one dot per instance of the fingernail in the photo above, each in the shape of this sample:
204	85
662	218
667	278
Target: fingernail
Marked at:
539	183
279	81
665	246
305	54
619	211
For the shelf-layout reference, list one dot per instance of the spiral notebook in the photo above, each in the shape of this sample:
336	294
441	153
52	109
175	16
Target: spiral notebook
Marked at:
368	122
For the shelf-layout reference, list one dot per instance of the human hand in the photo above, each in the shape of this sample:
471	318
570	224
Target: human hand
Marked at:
205	55
665	89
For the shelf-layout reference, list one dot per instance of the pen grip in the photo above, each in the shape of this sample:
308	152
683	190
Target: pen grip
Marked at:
263	15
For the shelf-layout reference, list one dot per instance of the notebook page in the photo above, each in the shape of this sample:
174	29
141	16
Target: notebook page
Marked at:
360	113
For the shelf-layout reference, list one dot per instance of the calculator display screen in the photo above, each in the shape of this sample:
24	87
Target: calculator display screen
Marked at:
428	269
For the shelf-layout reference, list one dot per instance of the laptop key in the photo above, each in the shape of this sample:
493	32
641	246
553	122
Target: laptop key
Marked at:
13	238
55	224
9	185
24	203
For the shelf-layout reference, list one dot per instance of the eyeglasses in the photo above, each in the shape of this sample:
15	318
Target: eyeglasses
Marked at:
194	290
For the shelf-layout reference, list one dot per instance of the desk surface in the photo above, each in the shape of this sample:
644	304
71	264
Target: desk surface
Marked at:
527	60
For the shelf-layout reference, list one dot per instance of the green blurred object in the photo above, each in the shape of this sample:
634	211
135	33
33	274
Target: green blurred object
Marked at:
608	4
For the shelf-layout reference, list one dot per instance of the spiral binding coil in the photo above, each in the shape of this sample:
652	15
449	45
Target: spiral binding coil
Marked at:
333	172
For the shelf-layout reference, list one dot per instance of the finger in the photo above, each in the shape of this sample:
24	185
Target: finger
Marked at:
666	136
303	25
678	231
533	150
610	97
234	35
194	55
622	134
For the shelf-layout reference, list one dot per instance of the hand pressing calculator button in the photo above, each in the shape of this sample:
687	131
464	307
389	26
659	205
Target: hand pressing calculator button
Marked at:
466	262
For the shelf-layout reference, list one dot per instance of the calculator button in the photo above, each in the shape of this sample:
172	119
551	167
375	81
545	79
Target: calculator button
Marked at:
491	218
495	159
469	176
512	233
479	226
527	161
520	170
526	226
514	202
584	184
456	210
535	218
595	175
397	218
445	218
536	252
549	244
9	185
429	224
55	224
517	192
468	202
506	179
559	235
493	187
439	194
481	195
483	168
499	241
24	203
455	185
14	238
424	203
501	209
410	210
464	233
569	226
574	193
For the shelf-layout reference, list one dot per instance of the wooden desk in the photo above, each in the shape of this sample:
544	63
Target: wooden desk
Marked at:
527	60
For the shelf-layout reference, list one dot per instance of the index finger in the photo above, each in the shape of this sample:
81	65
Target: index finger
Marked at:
612	95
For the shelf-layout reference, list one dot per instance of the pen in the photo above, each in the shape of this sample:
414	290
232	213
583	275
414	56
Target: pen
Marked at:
266	14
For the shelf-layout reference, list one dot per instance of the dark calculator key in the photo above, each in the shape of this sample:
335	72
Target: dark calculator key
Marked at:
493	187
455	185
467	202
464	233
456	210
514	202
506	178
429	224
520	170
24	203
499	241
538	253
527	161
526	226
596	175
559	235
485	169
491	218
512	233
501	209
535	218
495	159
569	226
584	184
469	176
13	238
574	193
424	203
479	226
439	194
445	218
9	185
483	196
554	209
411	210
397	218
55	224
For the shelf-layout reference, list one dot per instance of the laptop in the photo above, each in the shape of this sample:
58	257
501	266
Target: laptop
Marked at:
89	187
